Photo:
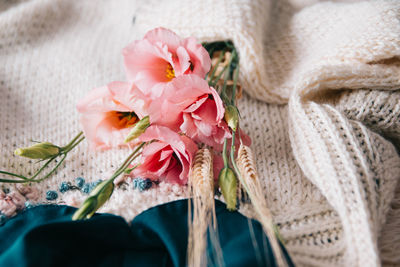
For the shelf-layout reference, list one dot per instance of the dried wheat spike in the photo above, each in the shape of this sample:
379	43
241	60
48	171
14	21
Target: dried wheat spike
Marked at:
252	185
201	186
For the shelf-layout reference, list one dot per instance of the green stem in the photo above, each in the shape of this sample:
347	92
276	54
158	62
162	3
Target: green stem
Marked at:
43	167
127	161
51	172
235	167
74	145
233	55
13	181
216	66
213	83
72	141
224	156
64	152
13	174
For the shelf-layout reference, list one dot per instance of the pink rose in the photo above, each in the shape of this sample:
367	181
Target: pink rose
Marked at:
189	105
161	56
108	112
168	158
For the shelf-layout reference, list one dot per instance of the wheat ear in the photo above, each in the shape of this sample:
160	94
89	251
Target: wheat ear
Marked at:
201	186
252	185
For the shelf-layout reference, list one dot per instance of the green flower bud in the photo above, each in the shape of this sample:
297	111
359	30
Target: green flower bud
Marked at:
139	128
100	194
43	150
228	184
231	117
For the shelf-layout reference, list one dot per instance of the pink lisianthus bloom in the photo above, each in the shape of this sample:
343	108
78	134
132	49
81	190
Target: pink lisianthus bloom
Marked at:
189	105
161	56
168	158
108	112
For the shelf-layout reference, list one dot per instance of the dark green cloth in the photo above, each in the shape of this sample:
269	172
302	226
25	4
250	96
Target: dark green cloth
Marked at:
46	236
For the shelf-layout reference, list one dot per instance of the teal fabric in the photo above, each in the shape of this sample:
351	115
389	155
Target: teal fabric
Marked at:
46	236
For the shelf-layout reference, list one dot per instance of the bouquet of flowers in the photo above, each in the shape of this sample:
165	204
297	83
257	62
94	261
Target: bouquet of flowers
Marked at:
177	112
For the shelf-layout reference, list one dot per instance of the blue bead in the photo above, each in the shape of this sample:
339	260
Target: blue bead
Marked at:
136	182
86	188
79	182
144	184
28	205
51	195
64	187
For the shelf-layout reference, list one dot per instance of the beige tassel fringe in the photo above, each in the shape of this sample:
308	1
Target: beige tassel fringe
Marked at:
253	187
201	186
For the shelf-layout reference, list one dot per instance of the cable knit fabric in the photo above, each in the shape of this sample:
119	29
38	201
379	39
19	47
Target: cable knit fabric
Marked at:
322	107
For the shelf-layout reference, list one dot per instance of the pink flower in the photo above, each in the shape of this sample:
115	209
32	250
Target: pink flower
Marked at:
168	158
161	56
188	104
109	111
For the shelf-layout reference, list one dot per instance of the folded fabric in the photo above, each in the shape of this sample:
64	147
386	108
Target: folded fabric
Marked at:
46	236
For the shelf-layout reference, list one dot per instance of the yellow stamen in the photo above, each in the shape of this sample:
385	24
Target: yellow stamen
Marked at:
170	73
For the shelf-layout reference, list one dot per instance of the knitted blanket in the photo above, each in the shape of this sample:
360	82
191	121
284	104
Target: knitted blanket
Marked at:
322	107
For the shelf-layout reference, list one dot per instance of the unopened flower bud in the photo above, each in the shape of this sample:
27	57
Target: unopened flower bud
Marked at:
228	184
43	150
139	128
231	117
100	194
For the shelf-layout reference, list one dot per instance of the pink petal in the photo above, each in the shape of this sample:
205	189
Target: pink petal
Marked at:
166	154
129	96
219	104
193	107
188	127
99	100
146	64
207	112
165	36
186	89
204	128
174	175
199	56
153	148
182	64
165	135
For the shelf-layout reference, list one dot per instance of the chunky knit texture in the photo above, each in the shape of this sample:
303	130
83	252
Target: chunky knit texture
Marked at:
323	107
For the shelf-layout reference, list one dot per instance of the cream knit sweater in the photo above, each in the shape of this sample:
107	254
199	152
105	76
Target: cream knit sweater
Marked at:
323	106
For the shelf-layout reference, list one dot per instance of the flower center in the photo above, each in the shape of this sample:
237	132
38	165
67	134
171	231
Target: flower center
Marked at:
124	119
170	73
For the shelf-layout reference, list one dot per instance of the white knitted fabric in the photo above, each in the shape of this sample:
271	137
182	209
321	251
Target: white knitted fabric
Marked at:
325	126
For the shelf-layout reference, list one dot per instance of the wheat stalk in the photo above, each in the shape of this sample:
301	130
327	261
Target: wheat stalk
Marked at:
201	186
251	183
